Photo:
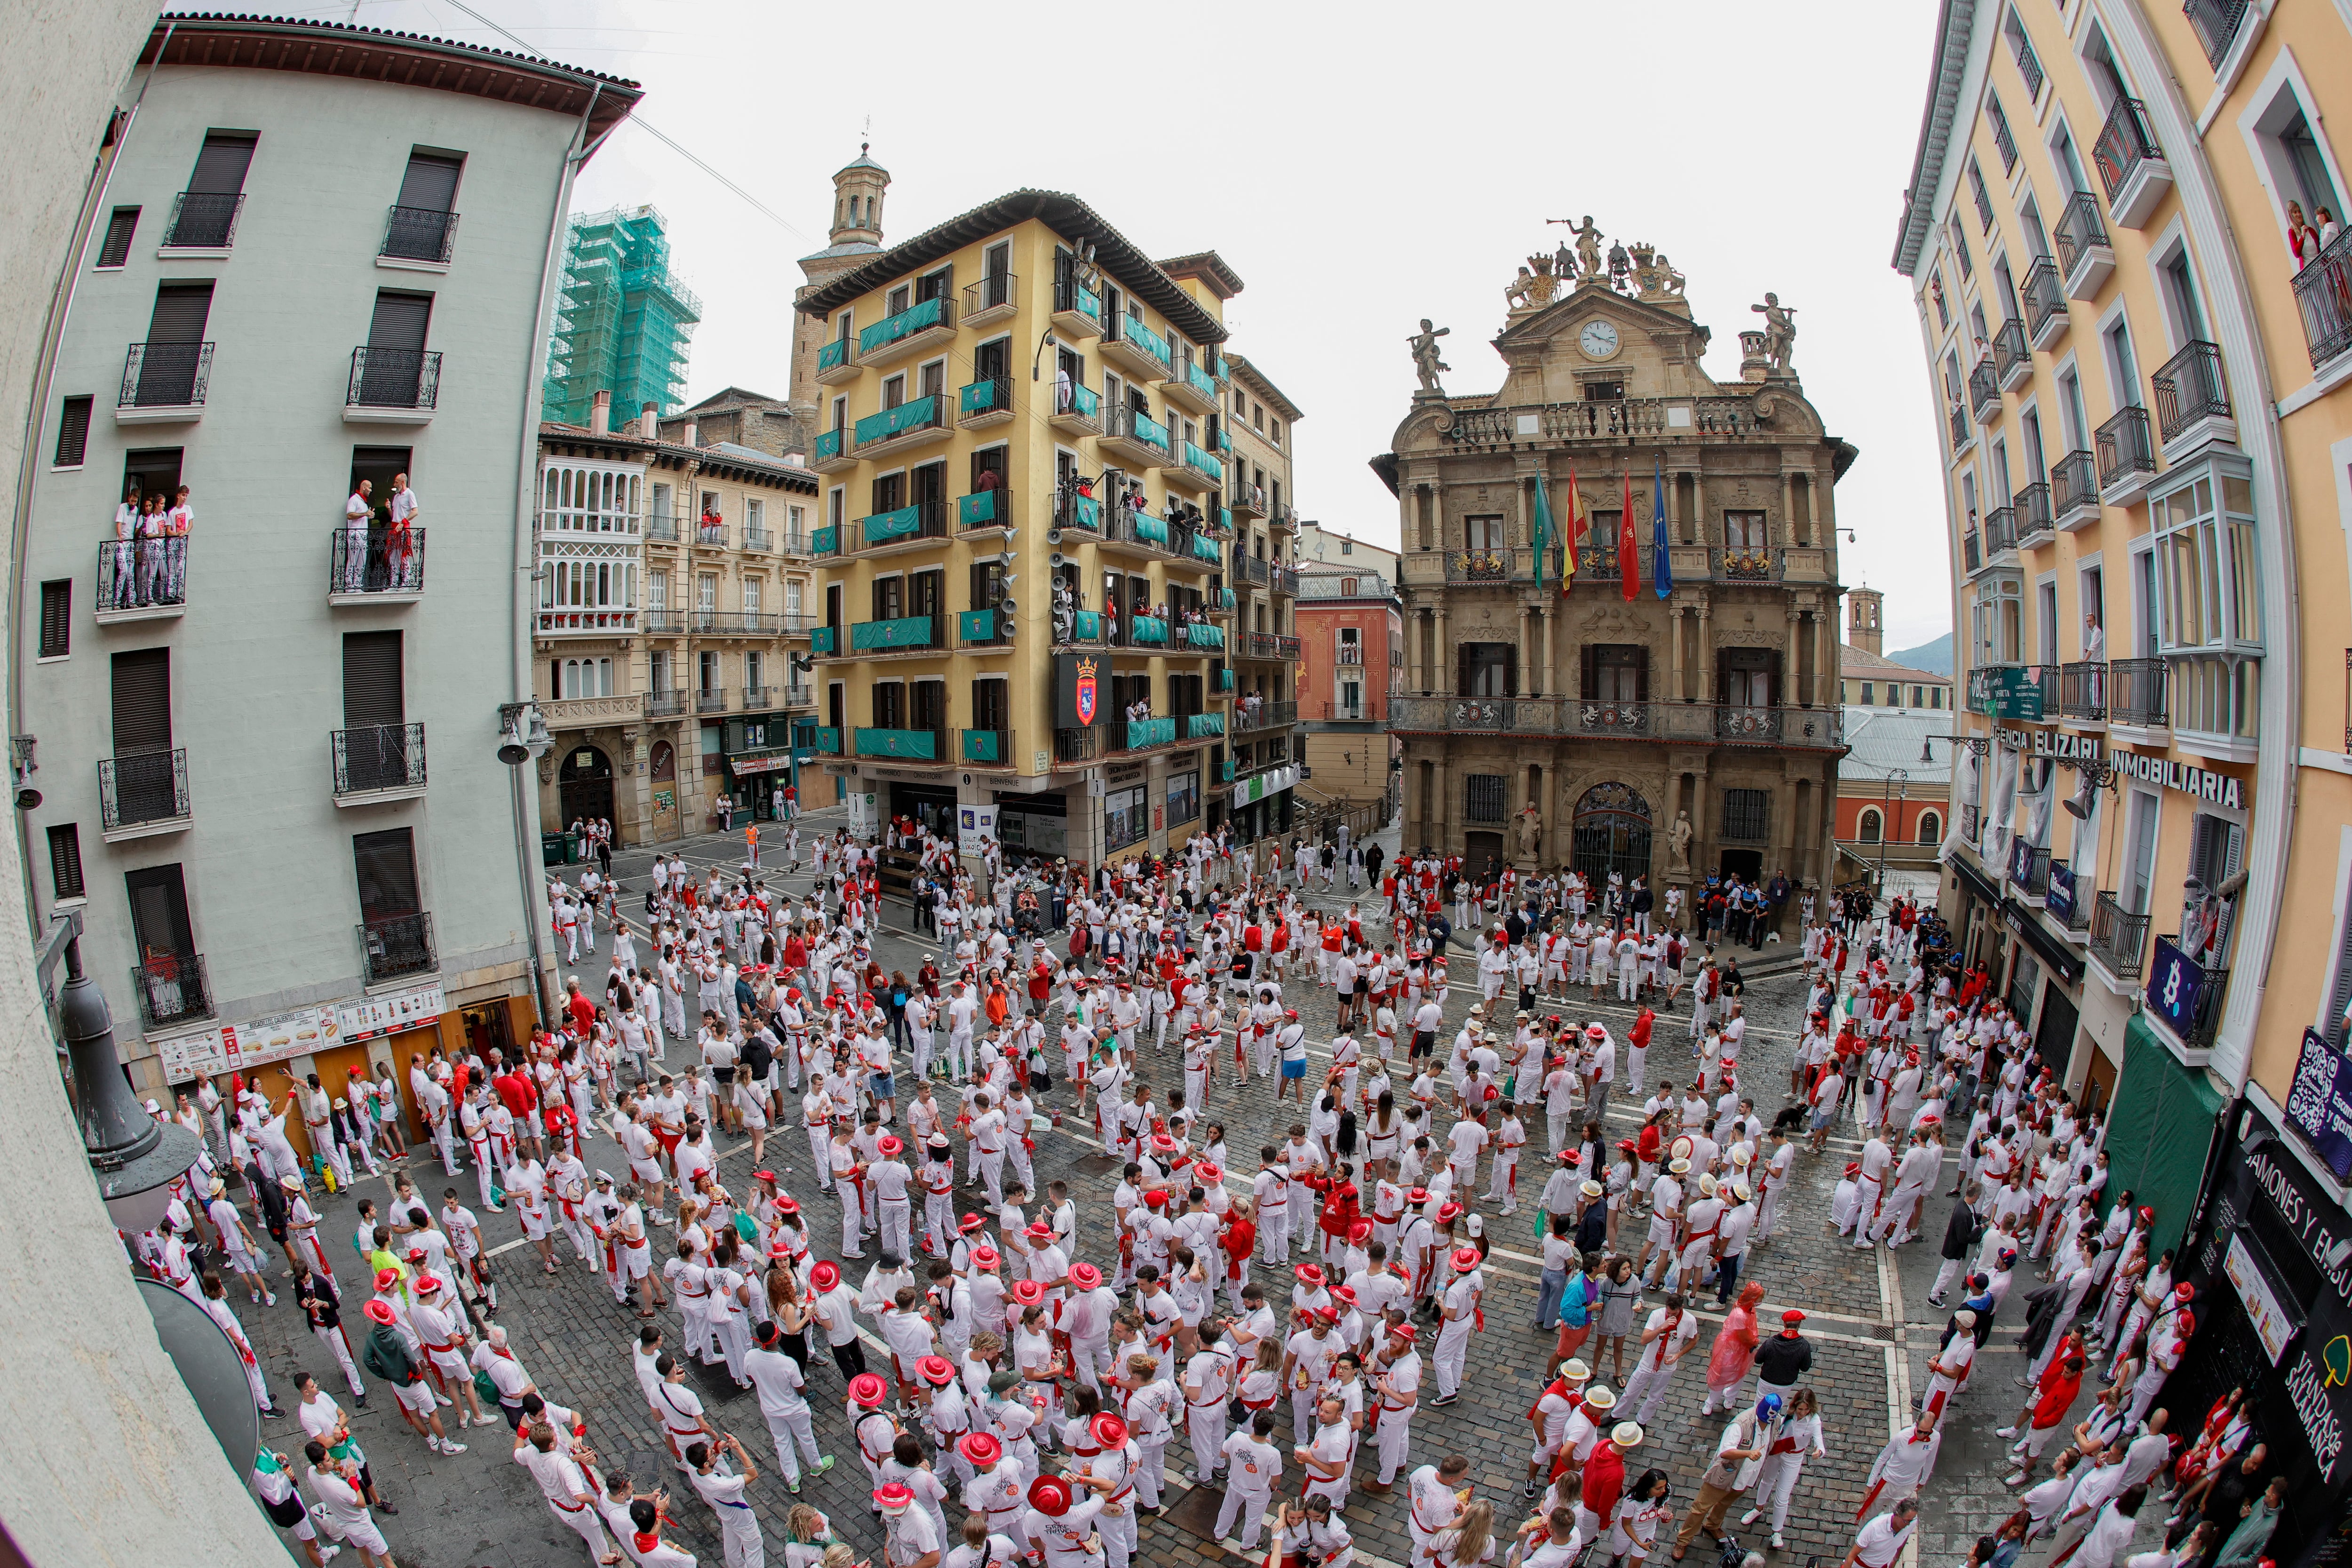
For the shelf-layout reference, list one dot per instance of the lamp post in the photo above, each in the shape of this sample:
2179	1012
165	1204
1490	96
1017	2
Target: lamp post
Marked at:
1898	782
523	738
134	1155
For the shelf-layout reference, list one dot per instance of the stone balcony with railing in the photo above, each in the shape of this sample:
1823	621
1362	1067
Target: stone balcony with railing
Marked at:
1727	723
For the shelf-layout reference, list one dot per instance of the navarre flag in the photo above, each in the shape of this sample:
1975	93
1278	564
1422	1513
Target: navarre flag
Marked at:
1629	551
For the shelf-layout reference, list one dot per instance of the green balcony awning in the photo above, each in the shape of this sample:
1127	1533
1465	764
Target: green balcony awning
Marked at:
981	746
1144	338
825	737
1201	460
888	525
1206	549
1143	732
912	414
1089	304
981	507
1200	381
976	626
918	744
1147	629
931	312
1150	431
1202	635
907	631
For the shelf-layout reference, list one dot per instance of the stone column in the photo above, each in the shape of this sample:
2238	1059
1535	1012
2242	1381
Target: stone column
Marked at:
1702	835
1659	829
1438	813
1706	658
1788	507
1786	696
1825	655
1526	658
1441	677
1675	650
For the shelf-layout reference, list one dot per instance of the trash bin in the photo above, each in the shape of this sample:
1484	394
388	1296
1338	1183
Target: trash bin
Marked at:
551	848
571	847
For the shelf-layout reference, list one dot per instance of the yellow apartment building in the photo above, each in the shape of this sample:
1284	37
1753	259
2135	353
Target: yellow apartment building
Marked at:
1023	534
2140	361
1260	430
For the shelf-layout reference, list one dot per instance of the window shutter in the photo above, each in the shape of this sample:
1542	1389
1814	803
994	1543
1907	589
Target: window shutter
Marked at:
431	181
372	679
1461	670
116	249
400	322
1776	693
57	618
73	432
221	165
65	859
1641	675
1590	687
181	310
143	700
385	865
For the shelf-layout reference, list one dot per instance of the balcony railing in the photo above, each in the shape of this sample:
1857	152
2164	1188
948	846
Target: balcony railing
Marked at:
1078	745
2119	940
142	574
1743	722
710	700
1250	569
1959	415
388	561
2081	235
666	704
986	509
2010	350
800	696
2190	387
2074	485
1247	499
2138	692
902	746
758	538
2031	506
662	526
394	378
2083	690
2322	292
890	331
1286	581
985	402
1249	716
1073	509
834	356
1972	551
172	988
990	627
419	233
203	220
1125	424
144	789
2005	142
374	758
1142	734
2125	449
1142	340
2045	298
1999	531
1746	564
1074	300
1604	716
165	376
2035	883
397	947
904	633
759	698
2028	65
996	291
1203	726
2215	23
987	748
2124	143
925	520
1984	392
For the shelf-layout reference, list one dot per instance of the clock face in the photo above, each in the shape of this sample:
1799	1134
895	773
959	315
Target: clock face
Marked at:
1599	340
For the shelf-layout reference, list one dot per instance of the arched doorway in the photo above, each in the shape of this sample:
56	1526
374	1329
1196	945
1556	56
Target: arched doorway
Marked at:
584	786
663	765
1611	832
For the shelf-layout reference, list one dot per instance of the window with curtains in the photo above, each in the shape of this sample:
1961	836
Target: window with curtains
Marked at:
1616	672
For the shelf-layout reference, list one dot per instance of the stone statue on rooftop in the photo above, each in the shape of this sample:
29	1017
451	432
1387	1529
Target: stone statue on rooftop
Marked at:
1424	356
1779	330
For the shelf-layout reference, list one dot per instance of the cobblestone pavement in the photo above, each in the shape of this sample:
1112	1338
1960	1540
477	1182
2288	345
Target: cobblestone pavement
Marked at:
1872	1330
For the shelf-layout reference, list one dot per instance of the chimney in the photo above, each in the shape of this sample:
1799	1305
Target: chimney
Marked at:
650	422
600	421
690	435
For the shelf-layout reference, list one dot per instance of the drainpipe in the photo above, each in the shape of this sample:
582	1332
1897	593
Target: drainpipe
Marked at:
535	917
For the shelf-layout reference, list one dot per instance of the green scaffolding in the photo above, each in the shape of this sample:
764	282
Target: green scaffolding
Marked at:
622	320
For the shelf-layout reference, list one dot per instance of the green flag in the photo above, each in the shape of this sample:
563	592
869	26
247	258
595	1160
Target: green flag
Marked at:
1543	529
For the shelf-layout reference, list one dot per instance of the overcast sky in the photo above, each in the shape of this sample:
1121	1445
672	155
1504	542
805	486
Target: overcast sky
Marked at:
1358	176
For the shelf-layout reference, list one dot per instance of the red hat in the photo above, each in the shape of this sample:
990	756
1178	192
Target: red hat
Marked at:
1050	1495
1028	1292
1326	1315
2187	1323
936	1370
2185	1291
1309	1275
1156	1198
1162	1144
1039	1231
1793	1317
1466	1258
426	1284
416	1255
767	1176
1360	1231
971	1223
895	1497
1085	1276
1568	1156
1207	1172
868	1389
1109	1430
1344	1294
889	1146
2147	1214
1853	1168
1404	1332
788	1204
983	1258
1418	1196
981	1449
1447	1212
380	1312
825	1275
1627	1145
387	1278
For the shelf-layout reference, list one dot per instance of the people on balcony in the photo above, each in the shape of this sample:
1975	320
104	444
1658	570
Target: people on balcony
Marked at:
713	527
179	522
356	512
400	546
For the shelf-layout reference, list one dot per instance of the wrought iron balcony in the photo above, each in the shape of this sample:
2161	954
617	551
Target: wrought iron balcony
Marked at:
1972	551
397	947
2035	883
2204	1019
142	579
2119	940
1077	409
2083	690
986	509
1248	500
989	627
1962	432
710	700
2138	692
419	233
378	760
2131	162
172	989
1984	392
1076	310
2215	23
1746	564
662	527
2190	387
1249	717
2000	532
924	520
920	326
1741	721
2045	301
759	698
2031	508
203	220
2081	235
2001	137
2127	456
2075	488
142	792
2028	65
986	401
2323	292
666	704
388	565
1250	569
995	296
987	748
407	380
916	417
1078	745
164	380
901	745
2012	358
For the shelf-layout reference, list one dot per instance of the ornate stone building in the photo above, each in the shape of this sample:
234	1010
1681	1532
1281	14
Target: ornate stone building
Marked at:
1554	723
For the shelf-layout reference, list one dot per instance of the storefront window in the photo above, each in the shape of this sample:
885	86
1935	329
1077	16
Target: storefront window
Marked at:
1126	819
1183	798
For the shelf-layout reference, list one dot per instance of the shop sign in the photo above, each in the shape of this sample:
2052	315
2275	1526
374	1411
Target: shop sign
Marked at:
1263	785
773	762
2057	744
2174	982
305	1031
2273	1323
2319	1104
975	828
2007	690
2201	784
2059	899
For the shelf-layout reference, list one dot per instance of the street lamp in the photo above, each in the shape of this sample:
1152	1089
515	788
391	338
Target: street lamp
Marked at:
523	737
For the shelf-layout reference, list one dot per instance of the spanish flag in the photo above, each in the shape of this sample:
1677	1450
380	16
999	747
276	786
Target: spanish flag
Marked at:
1570	532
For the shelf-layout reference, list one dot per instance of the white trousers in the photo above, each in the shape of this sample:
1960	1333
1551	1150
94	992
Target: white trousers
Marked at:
1247	1509
588	1526
1776	1479
794	1435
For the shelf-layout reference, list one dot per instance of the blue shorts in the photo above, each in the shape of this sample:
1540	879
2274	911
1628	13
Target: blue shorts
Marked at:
1294	1070
883	1086
1823	1119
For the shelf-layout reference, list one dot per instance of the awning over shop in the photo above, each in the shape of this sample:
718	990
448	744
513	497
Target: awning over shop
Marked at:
1264	786
2158	1131
1975	881
761	761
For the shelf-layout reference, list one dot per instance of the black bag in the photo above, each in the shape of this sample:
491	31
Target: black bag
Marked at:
1236	1412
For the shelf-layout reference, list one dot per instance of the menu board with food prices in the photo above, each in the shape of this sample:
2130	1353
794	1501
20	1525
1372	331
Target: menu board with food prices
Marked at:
306	1031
